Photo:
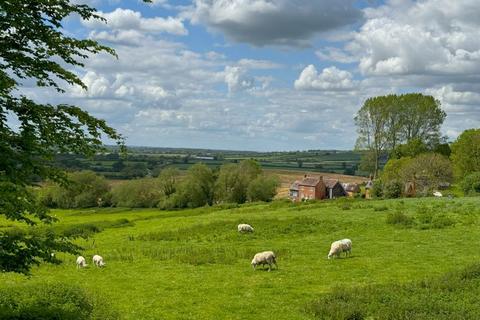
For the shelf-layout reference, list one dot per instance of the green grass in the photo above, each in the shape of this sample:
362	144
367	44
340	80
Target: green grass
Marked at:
193	264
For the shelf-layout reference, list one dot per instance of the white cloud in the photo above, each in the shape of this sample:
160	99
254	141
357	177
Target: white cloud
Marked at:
126	19
329	79
237	79
273	22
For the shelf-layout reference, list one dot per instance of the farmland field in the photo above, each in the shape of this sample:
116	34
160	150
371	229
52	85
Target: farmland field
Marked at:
192	264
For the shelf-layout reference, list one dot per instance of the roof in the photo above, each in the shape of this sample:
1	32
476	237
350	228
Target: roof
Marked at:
369	184
330	183
294	186
309	182
351	187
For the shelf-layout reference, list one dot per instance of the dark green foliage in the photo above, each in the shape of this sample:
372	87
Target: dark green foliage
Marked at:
262	188
29	247
399	218
377	189
33	47
393	189
410	149
196	189
452	296
234	179
84	190
466	153
52	300
471	183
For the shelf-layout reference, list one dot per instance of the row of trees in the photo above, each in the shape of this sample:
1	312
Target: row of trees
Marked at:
232	183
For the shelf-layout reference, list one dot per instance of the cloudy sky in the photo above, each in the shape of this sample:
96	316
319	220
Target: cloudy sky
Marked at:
273	74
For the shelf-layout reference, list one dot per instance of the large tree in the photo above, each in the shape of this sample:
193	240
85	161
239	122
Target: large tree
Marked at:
384	123
466	153
35	48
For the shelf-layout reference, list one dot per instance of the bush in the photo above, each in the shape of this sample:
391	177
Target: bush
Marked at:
139	193
392	190
262	188
471	183
53	300
377	189
85	189
399	218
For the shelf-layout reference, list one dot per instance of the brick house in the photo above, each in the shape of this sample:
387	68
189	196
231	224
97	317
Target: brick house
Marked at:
308	188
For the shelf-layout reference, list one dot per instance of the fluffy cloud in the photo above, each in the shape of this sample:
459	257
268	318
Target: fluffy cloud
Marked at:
403	37
329	79
273	22
126	19
237	79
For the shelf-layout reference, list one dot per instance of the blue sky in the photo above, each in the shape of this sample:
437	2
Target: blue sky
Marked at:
272	74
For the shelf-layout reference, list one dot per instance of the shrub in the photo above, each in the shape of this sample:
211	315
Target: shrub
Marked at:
262	188
85	189
471	183
392	189
139	193
399	218
53	300
377	189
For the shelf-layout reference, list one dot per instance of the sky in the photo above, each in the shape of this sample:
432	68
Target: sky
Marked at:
272	75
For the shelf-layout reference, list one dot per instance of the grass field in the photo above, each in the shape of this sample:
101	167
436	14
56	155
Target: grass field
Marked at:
193	264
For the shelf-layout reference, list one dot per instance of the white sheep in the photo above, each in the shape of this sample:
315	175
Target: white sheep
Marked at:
437	194
263	258
337	247
98	261
243	227
81	262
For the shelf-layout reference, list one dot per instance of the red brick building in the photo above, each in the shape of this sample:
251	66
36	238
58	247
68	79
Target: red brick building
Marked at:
308	188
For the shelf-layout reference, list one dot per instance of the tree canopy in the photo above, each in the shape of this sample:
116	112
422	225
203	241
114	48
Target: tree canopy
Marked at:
33	46
385	122
466	153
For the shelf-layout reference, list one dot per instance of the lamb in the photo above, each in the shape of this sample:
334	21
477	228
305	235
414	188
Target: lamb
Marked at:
245	228
337	247
98	261
263	258
81	262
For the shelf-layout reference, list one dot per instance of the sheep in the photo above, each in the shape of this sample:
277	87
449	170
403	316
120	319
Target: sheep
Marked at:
81	262
263	258
98	261
337	247
437	194
245	228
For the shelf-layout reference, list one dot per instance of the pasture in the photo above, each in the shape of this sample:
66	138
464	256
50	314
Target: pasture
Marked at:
193	264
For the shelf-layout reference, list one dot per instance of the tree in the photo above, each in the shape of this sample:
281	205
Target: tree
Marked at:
196	189
385	122
412	148
84	190
233	181
262	188
168	181
466	153
33	47
371	121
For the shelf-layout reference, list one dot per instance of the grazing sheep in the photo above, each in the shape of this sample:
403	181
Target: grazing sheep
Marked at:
98	261
337	247
437	194
245	228
81	262
263	258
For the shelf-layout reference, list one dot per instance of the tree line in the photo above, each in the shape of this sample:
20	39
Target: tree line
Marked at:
200	186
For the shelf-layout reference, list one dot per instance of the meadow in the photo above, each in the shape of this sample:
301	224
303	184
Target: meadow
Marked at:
193	264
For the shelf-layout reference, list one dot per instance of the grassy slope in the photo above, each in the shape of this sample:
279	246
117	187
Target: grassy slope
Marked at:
193	265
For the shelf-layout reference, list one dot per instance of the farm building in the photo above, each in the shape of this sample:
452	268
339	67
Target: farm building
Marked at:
351	189
334	189
308	188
